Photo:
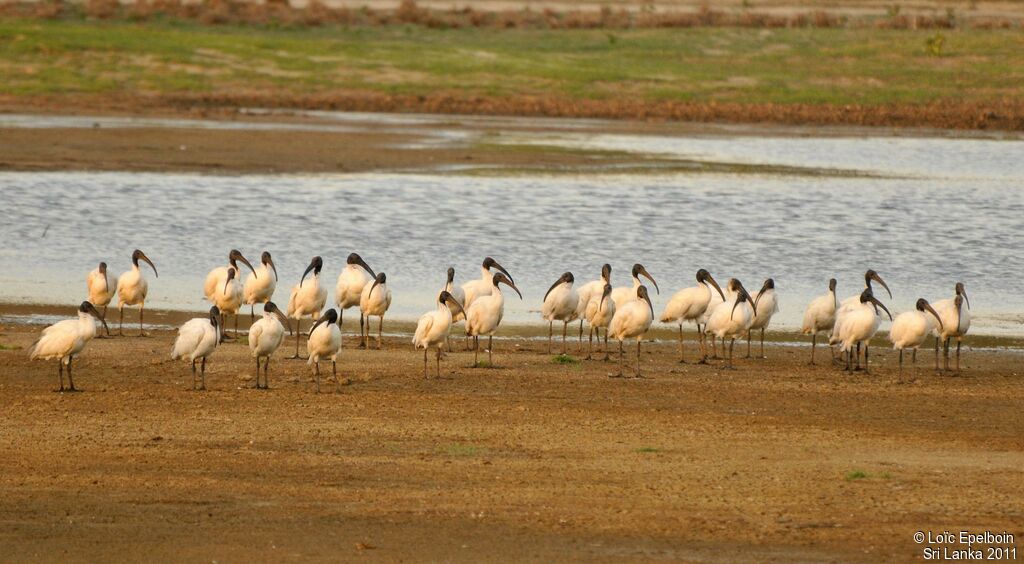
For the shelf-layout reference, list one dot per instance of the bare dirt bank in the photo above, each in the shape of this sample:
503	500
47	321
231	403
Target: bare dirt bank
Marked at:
529	460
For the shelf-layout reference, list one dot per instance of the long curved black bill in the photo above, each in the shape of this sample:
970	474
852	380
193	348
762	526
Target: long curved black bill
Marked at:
875	301
717	287
934	313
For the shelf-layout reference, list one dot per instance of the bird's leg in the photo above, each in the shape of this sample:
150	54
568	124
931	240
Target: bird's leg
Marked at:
937	353
120	332
551	329
438	361
637	375
579	349
60	374
957	358
945	354
849	360
681	358
701	345
362	340
622	361
298	336
202	375
762	343
317	372
380	332
252	312
193	374
236	324
858	358
266	374
490	350
590	351
867	363
814	343
732	342
607	356
257	372
476	352
565	329
425	363
71	381
334	374
341	315
913	357
748	343
900	377
142	308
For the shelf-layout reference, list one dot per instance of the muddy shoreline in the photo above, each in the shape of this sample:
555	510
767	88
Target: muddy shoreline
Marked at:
772	461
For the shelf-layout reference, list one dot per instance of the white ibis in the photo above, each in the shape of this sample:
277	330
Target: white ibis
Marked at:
65	339
820	315
265	337
324	342
632	319
857	326
624	294
375	301
349	290
132	289
433	327
689	304
956	322
482	286
766	304
590	291
561	302
217	276
730	321
260	286
307	298
484	316
459	295
197	339
599	315
102	287
717	299
228	298
910	328
853	302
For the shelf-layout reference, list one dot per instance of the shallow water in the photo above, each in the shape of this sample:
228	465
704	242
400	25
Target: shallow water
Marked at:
944	210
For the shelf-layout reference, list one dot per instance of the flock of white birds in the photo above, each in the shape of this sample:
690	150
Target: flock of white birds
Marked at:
622	313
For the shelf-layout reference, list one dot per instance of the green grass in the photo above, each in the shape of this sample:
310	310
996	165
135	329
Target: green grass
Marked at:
564	359
647	449
835	66
4	347
464	450
857	475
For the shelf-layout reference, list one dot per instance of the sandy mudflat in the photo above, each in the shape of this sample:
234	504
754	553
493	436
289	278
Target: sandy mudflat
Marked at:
529	460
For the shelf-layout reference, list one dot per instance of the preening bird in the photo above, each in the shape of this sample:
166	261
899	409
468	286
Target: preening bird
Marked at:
956	321
307	298
132	289
349	290
265	336
857	326
766	304
65	339
482	286
631	321
101	286
717	299
216	277
484	316
228	298
375	301
590	291
689	304
433	327
197	339
910	328
599	315
560	304
821	315
456	292
324	342
730	321
625	294
260	285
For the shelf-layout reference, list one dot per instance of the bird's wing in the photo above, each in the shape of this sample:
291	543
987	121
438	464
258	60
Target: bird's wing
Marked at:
254	334
189	336
423	328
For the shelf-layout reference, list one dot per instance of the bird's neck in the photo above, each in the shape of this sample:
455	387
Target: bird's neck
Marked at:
485	273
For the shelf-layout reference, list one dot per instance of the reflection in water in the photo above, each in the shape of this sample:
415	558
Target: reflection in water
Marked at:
922	235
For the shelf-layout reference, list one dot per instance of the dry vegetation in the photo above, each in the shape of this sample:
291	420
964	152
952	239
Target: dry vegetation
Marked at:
315	13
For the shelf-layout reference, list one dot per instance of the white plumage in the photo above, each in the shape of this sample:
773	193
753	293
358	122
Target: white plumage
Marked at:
625	294
956	320
325	343
483	285
265	337
132	289
228	296
766	305
374	302
101	286
820	315
631	320
197	339
260	284
599	314
857	326
484	316
65	339
217	276
433	327
732	319
308	297
689	304
349	289
560	304
590	291
910	328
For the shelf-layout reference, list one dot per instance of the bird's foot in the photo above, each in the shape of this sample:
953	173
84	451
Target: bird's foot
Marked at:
144	335
683	361
297	357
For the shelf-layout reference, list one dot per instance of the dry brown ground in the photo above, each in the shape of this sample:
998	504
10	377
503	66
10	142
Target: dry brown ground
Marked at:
531	460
